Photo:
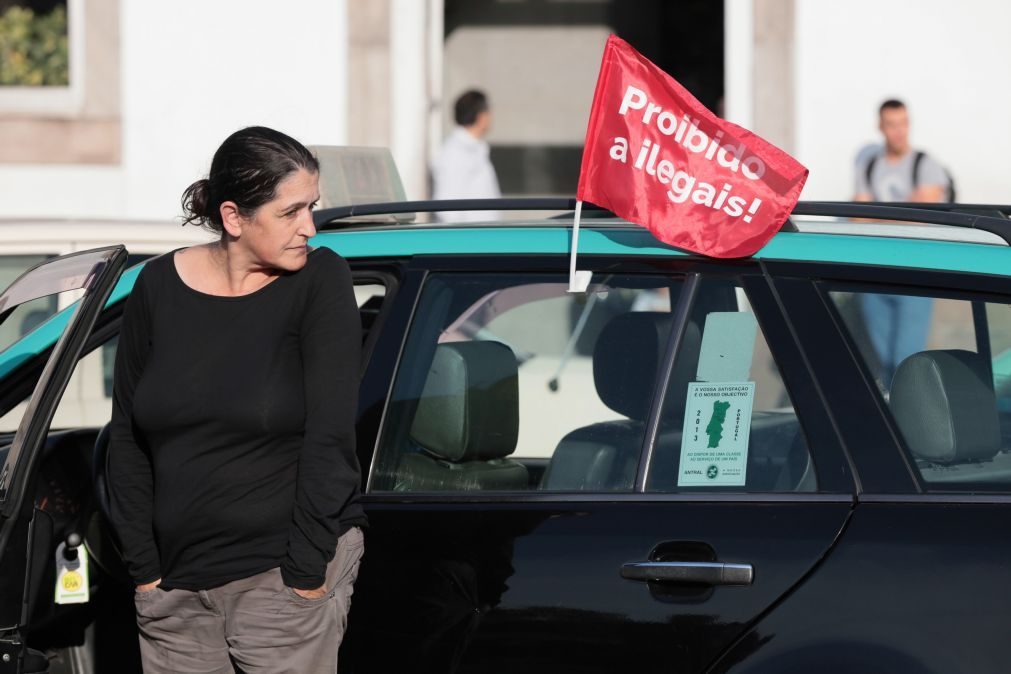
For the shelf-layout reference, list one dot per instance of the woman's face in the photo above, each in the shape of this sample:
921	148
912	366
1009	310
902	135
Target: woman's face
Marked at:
277	234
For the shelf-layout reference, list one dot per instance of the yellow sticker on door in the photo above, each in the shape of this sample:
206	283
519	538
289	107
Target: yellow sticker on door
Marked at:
72	577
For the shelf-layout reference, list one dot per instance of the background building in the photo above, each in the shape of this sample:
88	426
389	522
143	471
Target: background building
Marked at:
154	87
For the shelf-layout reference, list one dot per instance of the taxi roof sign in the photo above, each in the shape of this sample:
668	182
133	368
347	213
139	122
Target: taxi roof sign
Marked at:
349	176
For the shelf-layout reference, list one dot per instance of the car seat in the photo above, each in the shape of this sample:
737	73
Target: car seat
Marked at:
626	359
466	422
945	407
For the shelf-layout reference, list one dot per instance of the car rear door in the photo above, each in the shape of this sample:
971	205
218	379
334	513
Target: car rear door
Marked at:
919	581
42	369
531	507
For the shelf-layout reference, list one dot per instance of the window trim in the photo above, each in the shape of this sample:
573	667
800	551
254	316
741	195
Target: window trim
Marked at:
936	285
833	465
848	394
538	497
911	277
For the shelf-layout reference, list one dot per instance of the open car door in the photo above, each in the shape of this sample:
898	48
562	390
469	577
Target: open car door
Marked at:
44	375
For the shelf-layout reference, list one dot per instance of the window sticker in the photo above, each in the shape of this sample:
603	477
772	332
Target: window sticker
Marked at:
714	442
728	343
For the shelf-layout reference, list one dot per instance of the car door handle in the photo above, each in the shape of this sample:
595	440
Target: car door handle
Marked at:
704	573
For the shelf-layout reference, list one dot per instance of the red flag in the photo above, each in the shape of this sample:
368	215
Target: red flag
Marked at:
656	156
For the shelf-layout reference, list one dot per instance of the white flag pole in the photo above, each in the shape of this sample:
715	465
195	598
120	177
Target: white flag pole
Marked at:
579	281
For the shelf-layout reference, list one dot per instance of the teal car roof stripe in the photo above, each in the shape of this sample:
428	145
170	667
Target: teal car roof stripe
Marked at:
487	240
805	247
971	258
407	241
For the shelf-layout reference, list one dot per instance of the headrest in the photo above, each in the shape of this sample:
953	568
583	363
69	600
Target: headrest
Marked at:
944	404
626	359
469	408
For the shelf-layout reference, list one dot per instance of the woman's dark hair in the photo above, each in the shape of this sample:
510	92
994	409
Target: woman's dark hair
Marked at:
246	169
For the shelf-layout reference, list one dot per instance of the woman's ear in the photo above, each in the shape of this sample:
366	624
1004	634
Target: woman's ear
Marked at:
231	219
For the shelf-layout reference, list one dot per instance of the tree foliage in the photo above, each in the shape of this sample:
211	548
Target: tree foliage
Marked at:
33	48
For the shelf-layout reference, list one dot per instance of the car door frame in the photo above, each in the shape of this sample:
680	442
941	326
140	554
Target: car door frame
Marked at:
17	508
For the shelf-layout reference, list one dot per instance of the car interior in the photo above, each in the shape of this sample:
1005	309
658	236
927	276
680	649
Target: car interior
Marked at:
944	404
465	411
946	400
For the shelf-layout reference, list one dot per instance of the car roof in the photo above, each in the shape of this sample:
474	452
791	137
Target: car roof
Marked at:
954	237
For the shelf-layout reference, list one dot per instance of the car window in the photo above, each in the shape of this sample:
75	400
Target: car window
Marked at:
942	363
67	279
727	422
84	402
27	316
509	382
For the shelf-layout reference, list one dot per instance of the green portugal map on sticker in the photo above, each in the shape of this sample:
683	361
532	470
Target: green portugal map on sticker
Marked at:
714	429
714	443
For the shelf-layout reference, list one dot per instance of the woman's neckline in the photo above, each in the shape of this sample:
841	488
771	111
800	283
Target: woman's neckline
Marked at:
227	298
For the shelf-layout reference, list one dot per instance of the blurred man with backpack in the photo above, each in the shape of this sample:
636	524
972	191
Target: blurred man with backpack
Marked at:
898	172
897	325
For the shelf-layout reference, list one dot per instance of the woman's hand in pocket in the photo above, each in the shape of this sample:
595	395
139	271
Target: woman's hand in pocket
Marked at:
147	587
311	594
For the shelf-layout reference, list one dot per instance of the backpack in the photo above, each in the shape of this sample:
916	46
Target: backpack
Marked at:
917	159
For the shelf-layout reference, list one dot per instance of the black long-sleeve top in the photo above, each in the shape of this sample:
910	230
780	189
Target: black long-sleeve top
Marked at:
232	446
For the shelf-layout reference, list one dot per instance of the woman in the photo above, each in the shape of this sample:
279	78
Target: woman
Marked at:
235	484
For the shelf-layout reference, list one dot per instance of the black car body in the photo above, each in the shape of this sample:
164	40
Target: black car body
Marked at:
525	463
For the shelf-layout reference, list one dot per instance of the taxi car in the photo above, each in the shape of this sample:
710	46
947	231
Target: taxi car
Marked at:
531	456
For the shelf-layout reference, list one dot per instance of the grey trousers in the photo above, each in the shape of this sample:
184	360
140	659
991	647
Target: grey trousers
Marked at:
257	623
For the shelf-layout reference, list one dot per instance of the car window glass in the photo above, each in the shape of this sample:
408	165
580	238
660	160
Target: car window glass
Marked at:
64	279
509	382
943	365
889	327
27	316
728	423
87	399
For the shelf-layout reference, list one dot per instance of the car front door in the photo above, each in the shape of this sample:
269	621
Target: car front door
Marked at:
534	495
40	369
